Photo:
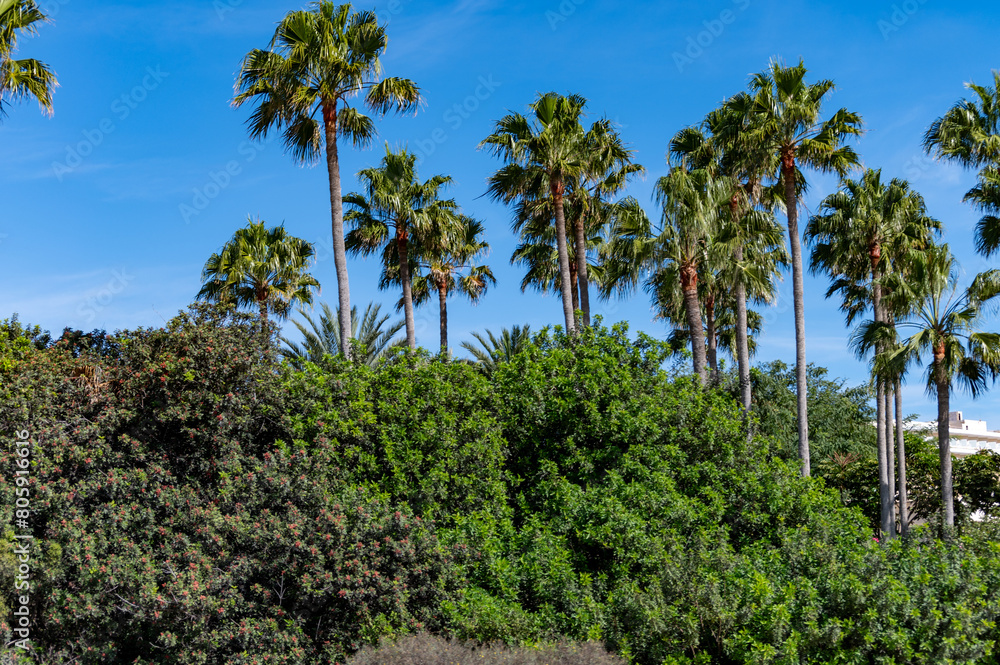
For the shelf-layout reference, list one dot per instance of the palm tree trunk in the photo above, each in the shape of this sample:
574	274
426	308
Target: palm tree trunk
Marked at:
883	464
443	302
890	455
402	238
711	353
563	253
798	297
337	215
904	508
742	342
884	470
689	284
581	269
573	285
944	440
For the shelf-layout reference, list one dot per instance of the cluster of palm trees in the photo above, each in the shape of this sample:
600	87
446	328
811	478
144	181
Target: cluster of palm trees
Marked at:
716	249
718	245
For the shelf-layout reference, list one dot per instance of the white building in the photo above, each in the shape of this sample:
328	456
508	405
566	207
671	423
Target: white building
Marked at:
967	436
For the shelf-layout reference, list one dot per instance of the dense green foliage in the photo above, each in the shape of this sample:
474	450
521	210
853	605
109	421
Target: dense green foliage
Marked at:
195	502
840	417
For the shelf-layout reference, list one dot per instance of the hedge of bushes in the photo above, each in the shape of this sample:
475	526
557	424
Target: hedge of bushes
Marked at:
195	501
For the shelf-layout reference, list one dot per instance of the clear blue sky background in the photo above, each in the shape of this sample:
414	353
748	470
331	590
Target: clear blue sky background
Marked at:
93	233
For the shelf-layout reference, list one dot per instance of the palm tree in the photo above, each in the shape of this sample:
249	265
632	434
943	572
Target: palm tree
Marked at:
947	326
781	115
542	156
303	86
373	336
263	268
24	78
444	265
394	207
969	133
691	202
495	349
854	236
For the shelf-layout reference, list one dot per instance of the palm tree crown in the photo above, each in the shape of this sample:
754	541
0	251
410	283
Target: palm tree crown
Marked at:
495	349
969	133
373	334
22	78
263	268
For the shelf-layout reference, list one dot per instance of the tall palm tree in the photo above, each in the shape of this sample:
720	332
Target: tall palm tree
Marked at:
758	271
22	78
542	155
318	61
947	327
449	267
853	237
781	114
262	268
395	208
691	202
374	336
495	349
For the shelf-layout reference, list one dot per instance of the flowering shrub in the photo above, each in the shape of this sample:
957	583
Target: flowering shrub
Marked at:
173	524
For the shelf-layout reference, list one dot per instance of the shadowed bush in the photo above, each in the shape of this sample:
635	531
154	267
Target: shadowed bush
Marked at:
424	649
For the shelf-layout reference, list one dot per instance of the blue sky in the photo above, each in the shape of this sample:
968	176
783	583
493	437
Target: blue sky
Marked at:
98	230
